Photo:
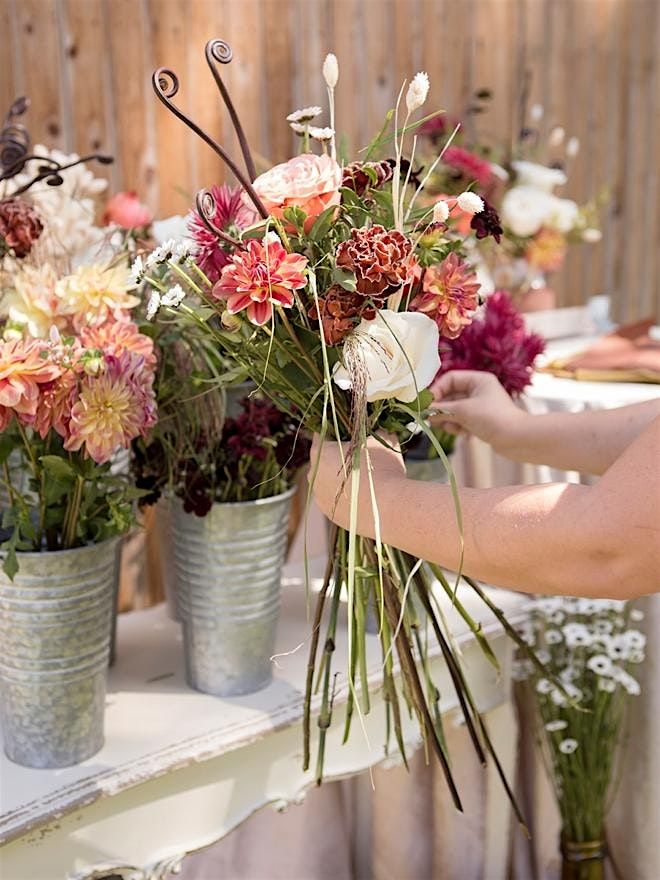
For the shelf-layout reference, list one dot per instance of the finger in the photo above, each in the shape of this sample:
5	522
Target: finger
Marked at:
461	383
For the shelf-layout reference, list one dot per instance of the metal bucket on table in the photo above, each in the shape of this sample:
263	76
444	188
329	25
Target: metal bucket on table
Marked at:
55	626
228	567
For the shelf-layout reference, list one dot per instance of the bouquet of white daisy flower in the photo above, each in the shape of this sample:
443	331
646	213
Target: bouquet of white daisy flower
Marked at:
592	647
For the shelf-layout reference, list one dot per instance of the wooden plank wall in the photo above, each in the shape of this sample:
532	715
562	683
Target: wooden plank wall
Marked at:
592	64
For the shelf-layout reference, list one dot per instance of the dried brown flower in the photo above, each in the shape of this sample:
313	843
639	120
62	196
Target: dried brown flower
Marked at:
381	259
359	176
339	311
20	227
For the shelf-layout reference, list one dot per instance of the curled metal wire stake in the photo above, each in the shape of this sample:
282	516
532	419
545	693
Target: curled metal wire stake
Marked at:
220	51
14	138
166	84
206	208
50	171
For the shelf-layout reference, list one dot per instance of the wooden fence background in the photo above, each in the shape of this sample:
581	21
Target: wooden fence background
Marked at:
86	66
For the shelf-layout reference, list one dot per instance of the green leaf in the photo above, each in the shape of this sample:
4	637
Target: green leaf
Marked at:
57	467
7	445
296	217
10	565
323	223
344	278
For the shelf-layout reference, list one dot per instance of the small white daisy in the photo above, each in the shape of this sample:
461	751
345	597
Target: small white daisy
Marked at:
153	305
600	664
321	134
137	271
543	686
554	726
553	636
607	684
306	114
636	614
174	296
568	746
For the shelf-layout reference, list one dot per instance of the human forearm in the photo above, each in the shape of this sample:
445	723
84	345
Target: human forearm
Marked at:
588	441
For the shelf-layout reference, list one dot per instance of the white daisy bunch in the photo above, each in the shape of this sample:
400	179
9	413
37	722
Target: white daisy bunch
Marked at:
590	649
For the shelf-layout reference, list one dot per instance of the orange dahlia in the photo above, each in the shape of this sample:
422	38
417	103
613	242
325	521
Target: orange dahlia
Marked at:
450	295
259	277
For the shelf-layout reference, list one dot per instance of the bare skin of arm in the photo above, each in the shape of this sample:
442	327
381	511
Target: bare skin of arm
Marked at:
589	442
556	538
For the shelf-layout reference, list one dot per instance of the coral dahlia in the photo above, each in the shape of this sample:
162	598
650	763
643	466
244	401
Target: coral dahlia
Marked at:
450	295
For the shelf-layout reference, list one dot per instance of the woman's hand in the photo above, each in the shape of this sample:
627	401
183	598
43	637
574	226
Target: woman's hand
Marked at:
475	402
332	489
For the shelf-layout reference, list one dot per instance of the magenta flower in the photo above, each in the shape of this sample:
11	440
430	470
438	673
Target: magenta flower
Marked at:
231	215
470	165
450	295
497	343
256	278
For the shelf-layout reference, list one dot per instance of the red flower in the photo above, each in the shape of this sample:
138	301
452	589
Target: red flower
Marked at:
231	215
497	343
20	227
382	260
469	164
450	295
256	278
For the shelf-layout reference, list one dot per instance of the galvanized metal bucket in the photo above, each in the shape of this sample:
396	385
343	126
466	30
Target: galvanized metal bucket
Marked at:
55	625
228	567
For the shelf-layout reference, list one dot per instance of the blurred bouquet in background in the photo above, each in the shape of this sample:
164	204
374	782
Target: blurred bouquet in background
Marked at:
593	648
76	373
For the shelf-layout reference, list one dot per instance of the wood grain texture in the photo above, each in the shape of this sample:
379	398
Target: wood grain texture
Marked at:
592	64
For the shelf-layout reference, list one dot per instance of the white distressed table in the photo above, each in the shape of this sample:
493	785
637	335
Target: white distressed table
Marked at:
180	769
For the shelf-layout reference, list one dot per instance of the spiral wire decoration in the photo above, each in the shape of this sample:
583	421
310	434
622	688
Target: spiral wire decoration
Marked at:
166	85
206	208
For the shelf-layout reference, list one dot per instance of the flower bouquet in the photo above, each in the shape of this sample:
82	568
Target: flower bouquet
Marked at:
591	647
333	302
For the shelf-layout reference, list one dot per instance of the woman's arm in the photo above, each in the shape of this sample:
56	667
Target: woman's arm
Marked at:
588	441
601	540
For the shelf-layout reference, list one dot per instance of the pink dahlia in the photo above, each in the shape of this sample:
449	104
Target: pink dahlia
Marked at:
468	164
232	214
450	295
495	342
24	370
127	211
116	337
56	404
113	408
256	278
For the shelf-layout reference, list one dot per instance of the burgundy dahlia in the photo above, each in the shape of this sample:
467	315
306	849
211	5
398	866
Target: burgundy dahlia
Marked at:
381	259
496	342
487	222
231	215
20	227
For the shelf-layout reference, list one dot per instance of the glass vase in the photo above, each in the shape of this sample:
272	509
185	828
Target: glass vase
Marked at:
584	860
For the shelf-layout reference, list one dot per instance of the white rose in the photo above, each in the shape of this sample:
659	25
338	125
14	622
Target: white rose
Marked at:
564	215
400	354
539	176
526	209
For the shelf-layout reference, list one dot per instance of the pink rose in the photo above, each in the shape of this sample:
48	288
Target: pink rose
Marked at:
125	209
309	182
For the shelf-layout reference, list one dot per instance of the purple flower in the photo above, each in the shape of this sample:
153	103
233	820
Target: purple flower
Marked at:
497	343
487	222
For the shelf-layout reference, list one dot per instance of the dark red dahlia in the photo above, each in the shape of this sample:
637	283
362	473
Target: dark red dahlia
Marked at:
20	227
487	222
496	342
339	311
381	259
360	176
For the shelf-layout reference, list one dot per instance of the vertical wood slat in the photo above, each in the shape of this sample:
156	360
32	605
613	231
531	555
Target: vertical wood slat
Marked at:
86	65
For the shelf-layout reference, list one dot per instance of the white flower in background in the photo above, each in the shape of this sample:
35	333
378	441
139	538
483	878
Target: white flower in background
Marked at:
568	746
557	617
577	635
635	656
553	636
306	114
137	271
331	70
536	112
592	235
440	211
543	656
564	215
608	685
153	305
171	228
602	627
298	128
630	684
538	176
417	91
554	726
321	134
174	296
499	172
635	639
556	136
636	614
558	698
546	605
399	353
569	673
161	254
525	210
470	202
618	648
572	147
600	664
543	686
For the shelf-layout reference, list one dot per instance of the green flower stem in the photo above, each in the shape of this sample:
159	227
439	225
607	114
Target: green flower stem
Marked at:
72	514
